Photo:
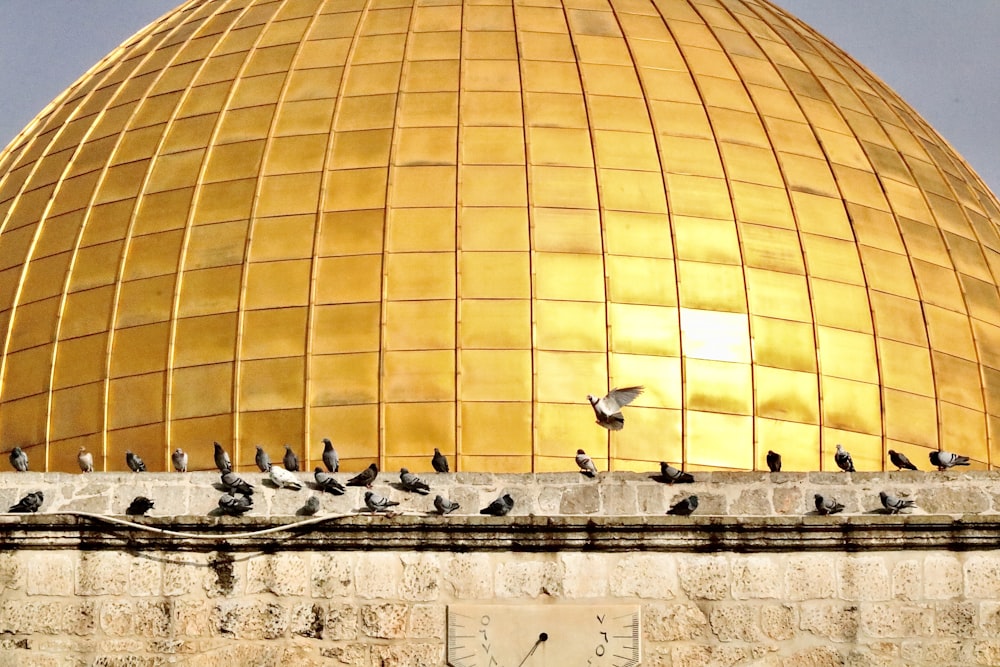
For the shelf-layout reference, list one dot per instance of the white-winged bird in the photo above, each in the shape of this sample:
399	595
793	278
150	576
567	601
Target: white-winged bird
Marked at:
608	410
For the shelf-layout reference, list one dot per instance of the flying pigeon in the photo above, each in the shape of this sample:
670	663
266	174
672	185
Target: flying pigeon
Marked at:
235	506
826	505
500	506
365	477
439	461
443	505
413	483
899	460
262	460
180	460
311	506
86	460
684	507
327	482
673	475
284	479
893	505
139	506
222	461
773	461
291	460
377	503
19	459
945	460
843	459
135	463
30	503
236	484
586	463
330	458
608	409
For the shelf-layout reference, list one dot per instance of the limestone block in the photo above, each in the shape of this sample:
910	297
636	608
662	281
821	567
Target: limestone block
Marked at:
249	619
27	617
377	575
116	617
735	622
183	573
942	577
651	576
102	573
955	619
283	574
756	577
982	576
987	652
421	577
332	574
427	621
650	498
189	617
50	573
580	499
965	499
585	575
814	656
528	578
907	580
468	576
863	578
673	622
704	577
307	620
777	621
341	622
710	504
408	655
355	655
385	621
700	655
830	620
881	619
789	500
145	576
549	500
153	618
810	577
617	498
752	502
828	478
948	652
224	576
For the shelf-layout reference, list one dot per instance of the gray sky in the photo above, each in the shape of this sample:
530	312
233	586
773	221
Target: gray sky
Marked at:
940	56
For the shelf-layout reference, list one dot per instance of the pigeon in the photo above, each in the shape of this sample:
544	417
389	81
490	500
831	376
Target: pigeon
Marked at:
586	463
608	409
235	506
500	506
365	477
893	505
139	506
180	460
262	460
673	475
330	458
377	503
235	483
413	483
843	459
826	505
439	461
899	460
327	482
135	463
222	461
291	460
30	503
945	460
684	507
311	506
284	479
19	459
86	460
773	461
444	506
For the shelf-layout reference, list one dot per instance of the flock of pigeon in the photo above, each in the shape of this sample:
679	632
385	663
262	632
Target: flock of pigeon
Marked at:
238	497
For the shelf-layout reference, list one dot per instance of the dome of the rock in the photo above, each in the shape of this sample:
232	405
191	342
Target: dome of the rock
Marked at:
412	225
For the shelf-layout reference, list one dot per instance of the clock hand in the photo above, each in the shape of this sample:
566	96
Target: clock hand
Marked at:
544	636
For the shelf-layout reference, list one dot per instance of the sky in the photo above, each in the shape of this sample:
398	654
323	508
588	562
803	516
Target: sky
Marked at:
940	56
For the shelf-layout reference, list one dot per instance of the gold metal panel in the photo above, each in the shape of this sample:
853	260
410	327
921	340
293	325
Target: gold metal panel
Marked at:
355	189
888	272
562	429
288	237
694	156
269	60
304	117
771	248
119	182
561	376
555	110
969	257
560	146
296	153
491	75
346	328
876	228
45	276
230	200
446	45
177	170
712	335
203	340
278	332
153	255
958	381
425	375
786	395
861	187
822	215
201	391
924	242
378	49
833	259
981	298
699	197
423	229
660	375
267	427
866	450
728	293
632	191
78	360
911	418
145	301
418	427
428	109
782	295
798	444
353	429
139	349
635	329
424	146
270	384
27	372
847	354
964	430
563	187
288	193
135	400
490	428
493	228
244	125
570	325
938	285
637	234
546	46
135	145
356	232
949	332
541	19
495	375
626	150
709	435
567	230
430	18
210	291
491	275
344	379
349	279
86	312
751	164
906	367
907	200
419	325
423	186
645	280
841	305
495	323
901	319
162	211
492	145
543	76
851	405
493	186
419	276
277	284
75	411
366	113
374	79
717	386
565	276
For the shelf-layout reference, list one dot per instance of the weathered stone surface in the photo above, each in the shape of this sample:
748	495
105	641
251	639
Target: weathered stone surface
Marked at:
377	575
308	620
469	576
26	617
788	500
153	618
652	576
50	573
183	573
982	576
585	575
947	652
145	576
778	621
421	576
756	577
955	619
907	580
863	578
809	577
224	575
384	621
102	573
408	655
953	500
942	577
709	656
332	574
580	499
249	619
529	579
754	501
673	622
704	577
880	619
341	622
831	620
281	574
11	572
427	621
618	499
116	617
735	622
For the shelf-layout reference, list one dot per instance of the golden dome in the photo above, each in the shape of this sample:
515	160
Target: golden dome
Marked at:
412	225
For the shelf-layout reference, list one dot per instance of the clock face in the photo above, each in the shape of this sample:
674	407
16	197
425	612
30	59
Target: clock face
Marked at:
495	635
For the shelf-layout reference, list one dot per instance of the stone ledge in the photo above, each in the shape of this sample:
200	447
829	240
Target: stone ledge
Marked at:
358	532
